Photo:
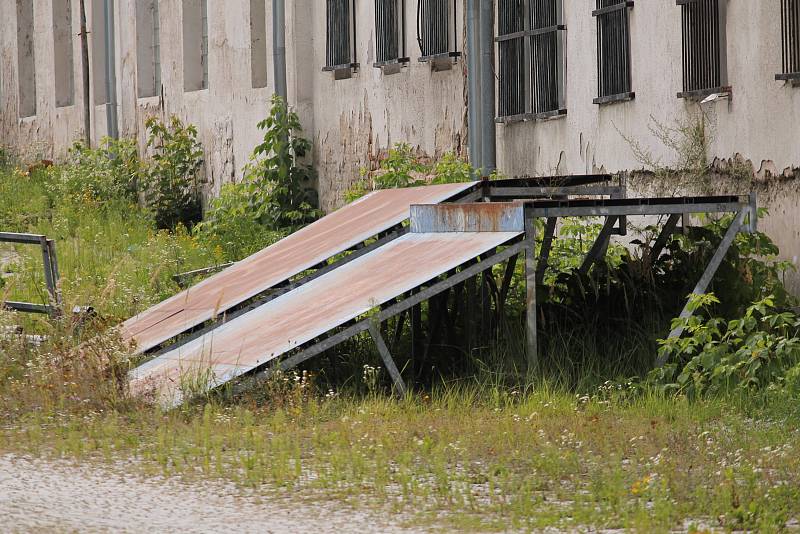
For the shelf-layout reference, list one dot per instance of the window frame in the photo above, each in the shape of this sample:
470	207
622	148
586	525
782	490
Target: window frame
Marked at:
342	70
402	54
531	33
790	41
610	48
451	34
692	72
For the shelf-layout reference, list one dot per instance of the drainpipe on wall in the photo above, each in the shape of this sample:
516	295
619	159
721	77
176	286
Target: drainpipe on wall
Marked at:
279	47
473	84
111	71
87	104
487	88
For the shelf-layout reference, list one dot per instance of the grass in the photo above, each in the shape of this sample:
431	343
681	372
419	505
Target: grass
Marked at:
472	452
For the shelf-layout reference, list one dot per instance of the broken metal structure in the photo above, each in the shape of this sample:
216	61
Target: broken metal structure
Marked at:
51	274
303	302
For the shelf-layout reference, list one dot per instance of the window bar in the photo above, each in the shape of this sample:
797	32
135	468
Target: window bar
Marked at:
204	44
156	47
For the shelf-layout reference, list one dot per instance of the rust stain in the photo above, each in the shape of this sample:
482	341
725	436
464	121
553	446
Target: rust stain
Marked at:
290	320
302	250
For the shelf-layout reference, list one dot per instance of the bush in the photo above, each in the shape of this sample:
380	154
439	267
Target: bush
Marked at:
274	199
110	172
719	356
173	178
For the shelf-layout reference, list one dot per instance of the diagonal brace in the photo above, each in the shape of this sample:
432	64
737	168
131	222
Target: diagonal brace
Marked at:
547	245
388	361
663	237
600	246
711	269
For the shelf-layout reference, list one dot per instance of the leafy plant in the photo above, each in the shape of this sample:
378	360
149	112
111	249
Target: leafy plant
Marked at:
717	356
110	172
173	179
275	198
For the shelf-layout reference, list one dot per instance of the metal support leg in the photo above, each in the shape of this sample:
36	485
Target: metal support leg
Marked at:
710	271
388	361
531	345
48	271
547	245
661	241
600	245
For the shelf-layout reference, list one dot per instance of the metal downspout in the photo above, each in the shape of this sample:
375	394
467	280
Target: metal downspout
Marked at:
487	88
279	47
473	85
111	71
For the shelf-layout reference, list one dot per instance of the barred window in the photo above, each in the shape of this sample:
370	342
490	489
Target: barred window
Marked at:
790	24
26	59
704	42
613	51
62	53
195	45
390	32
531	40
148	48
340	51
437	33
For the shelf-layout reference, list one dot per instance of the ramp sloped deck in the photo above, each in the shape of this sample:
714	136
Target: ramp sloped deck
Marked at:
258	337
353	224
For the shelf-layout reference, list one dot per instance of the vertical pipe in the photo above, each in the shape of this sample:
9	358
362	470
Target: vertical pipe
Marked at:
487	87
111	71
87	105
473	85
279	47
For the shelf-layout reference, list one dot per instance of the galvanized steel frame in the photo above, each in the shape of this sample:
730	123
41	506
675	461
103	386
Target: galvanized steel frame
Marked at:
51	274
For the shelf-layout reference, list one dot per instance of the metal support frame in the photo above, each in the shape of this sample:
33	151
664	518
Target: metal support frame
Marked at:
466	273
388	361
600	246
547	245
531	333
51	274
663	237
711	269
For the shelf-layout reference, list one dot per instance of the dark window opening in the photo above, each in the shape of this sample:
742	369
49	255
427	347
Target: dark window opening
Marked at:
532	64
704	42
613	51
790	27
390	32
340	51
437	29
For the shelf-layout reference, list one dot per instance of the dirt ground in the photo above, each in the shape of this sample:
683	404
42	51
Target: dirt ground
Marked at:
44	496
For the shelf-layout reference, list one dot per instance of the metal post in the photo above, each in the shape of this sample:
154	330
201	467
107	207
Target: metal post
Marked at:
473	84
487	88
710	271
279	47
663	237
51	249
600	246
388	361
87	105
111	71
532	347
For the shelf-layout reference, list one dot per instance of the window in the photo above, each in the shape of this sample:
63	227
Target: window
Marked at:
531	44
148	49
390	32
62	53
26	60
437	32
98	37
704	41
613	51
790	24
340	51
258	43
195	45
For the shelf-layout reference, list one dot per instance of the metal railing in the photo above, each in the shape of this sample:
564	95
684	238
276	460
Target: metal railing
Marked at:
790	26
704	55
613	51
51	275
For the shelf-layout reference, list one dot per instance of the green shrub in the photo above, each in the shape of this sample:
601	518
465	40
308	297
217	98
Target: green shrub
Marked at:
173	181
110	172
276	196
719	356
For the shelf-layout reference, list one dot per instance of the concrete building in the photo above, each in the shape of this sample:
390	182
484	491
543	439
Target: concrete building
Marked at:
582	86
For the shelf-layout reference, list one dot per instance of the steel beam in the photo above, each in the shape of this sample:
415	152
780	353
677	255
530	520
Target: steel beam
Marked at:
663	237
27	307
531	333
388	361
546	192
599	247
711	269
547	245
25	239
